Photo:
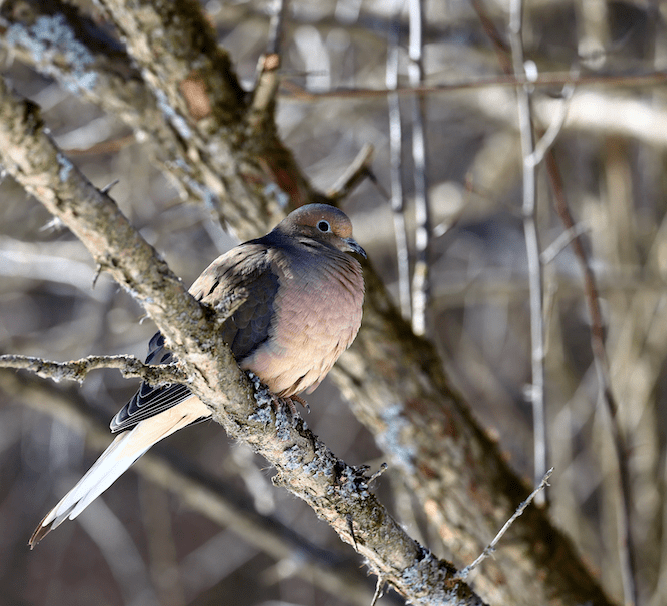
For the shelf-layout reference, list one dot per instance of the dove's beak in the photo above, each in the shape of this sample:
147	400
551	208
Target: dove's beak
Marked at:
355	247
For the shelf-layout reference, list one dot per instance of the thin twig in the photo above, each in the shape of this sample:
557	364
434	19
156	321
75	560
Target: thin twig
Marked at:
562	242
378	473
499	45
275	35
76	370
491	547
395	166
555	126
104	147
451	221
626	539
421	276
544	80
379	591
264	95
358	170
536	389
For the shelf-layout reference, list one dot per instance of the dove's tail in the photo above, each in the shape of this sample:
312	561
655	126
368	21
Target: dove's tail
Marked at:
116	459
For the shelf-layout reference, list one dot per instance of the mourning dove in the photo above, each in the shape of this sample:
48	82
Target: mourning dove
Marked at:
302	297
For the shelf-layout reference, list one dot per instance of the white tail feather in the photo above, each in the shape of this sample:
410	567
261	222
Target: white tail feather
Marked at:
104	472
117	458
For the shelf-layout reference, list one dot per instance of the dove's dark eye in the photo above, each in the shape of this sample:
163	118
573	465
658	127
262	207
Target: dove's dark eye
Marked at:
324	226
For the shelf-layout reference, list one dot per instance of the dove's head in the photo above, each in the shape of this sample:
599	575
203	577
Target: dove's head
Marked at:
322	223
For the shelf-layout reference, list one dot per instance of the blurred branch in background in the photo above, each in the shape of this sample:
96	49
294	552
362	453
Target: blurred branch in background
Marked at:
396	164
622	453
421	282
535	390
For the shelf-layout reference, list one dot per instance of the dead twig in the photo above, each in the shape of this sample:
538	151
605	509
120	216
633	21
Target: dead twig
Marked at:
379	591
536	389
626	539
356	172
542	80
264	95
549	137
395	166
562	242
76	370
421	281
491	547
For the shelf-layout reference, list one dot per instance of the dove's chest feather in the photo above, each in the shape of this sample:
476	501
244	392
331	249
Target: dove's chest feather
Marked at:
316	313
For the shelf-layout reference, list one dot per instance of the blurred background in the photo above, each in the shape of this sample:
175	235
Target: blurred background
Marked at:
139	544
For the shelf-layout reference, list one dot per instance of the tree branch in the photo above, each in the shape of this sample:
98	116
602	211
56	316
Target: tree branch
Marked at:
626	541
76	370
491	547
421	277
531	237
395	166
